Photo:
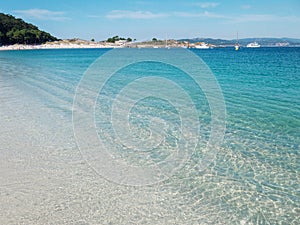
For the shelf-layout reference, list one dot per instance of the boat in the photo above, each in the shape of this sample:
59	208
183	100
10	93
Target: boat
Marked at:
237	46
167	46
202	45
253	45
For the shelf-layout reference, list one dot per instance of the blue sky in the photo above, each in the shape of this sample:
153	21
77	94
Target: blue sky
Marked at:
145	19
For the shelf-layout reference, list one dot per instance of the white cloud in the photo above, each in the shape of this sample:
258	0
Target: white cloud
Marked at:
42	14
205	5
243	18
203	14
124	14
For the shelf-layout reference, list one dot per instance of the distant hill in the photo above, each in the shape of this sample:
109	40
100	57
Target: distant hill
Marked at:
16	31
245	41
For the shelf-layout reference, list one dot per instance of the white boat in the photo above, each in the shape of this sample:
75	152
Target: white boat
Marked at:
253	45
202	46
237	46
167	46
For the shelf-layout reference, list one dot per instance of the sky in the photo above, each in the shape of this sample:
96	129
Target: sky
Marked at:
146	19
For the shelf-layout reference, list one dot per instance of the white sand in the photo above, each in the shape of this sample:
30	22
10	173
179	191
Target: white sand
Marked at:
60	46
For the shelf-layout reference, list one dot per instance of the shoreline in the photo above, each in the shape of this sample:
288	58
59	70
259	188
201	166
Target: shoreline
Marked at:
56	46
82	44
107	45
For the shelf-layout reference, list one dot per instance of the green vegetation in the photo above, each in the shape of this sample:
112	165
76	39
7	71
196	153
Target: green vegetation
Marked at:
16	31
117	38
154	39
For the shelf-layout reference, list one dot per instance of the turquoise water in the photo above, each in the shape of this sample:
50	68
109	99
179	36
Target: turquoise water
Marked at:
254	178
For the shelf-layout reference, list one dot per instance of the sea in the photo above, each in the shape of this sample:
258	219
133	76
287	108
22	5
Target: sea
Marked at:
150	136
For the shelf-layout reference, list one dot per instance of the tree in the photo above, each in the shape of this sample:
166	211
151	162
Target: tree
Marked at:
1	37
117	38
16	31
92	39
111	40
154	39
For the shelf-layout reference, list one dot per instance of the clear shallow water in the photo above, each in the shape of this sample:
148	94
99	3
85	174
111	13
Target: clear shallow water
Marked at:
253	180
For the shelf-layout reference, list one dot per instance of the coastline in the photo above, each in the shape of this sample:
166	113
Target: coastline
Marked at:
77	44
56	46
81	44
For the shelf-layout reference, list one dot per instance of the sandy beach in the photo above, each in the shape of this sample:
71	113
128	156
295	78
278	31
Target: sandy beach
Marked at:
59	46
77	44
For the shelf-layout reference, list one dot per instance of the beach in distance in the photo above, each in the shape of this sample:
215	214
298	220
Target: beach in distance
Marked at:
197	43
